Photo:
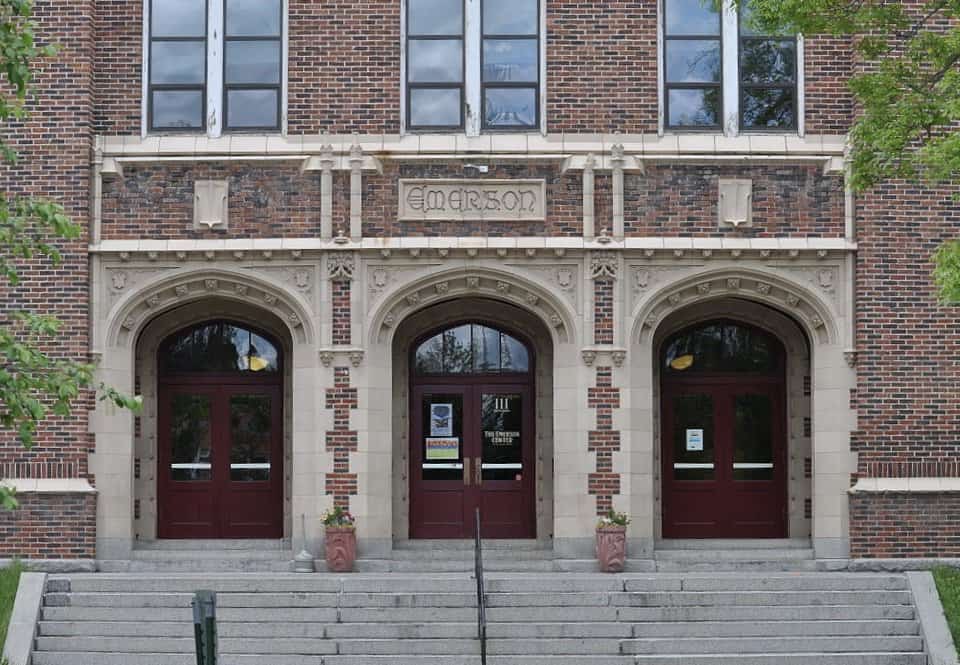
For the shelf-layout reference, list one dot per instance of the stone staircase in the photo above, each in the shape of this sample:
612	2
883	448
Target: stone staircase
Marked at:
534	619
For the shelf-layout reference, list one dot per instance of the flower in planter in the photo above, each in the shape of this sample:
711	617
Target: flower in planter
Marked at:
613	518
338	517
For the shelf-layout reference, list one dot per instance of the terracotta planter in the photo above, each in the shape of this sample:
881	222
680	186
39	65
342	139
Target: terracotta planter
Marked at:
341	548
612	548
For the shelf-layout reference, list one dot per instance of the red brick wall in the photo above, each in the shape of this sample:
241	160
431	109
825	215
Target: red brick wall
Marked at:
904	525
341	312
603	311
50	526
828	68
604	483
681	200
341	440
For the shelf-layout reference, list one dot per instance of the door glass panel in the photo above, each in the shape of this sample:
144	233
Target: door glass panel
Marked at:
442	437
250	437
191	456
693	440
753	438
502	428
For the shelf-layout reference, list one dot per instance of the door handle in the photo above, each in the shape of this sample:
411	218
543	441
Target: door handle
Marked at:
466	471
479	471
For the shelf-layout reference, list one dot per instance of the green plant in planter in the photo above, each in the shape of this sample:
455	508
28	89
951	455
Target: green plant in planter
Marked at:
338	517
613	518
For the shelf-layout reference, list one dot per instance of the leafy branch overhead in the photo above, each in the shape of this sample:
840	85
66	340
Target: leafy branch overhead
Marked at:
34	383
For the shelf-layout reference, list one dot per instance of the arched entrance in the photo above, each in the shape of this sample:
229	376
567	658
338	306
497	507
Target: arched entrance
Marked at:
723	432
472	439
220	433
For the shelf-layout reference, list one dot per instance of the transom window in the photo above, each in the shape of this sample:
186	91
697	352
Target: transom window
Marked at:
473	64
219	347
722	347
720	73
471	349
215	65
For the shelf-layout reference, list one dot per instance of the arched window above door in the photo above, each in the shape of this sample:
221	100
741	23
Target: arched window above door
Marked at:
218	347
471	349
722	347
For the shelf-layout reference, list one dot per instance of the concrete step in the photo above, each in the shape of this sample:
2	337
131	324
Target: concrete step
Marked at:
770	645
454	565
489	545
217	546
877	658
779	628
719	544
229	629
730	566
68	658
184	564
769	598
738	554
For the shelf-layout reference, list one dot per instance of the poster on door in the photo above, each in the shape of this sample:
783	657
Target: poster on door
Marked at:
446	448
694	440
441	420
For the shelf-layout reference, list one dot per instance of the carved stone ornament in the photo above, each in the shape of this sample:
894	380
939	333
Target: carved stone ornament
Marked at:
119	280
589	357
642	279
816	322
503	287
486	200
565	278
129	323
240	289
211	284
269	298
301	279
413	299
619	357
380	279
153	301
210	209
793	300
555	320
294	319
356	358
340	266
825	279
389	320
704	288
443	288
763	288
473	282
674	299
736	202
851	357
326	357
604	265
532	299
181	290
733	283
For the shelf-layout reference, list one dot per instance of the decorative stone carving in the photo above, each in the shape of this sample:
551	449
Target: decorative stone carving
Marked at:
473	282
565	278
340	266
211	284
674	299
733	283
619	357
589	357
153	301
181	290
555	320
641	279
736	202
301	279
240	289
389	320
443	288
792	300
851	357
604	265
532	299
269	298
326	357
379	280
294	319
704	288
210	209
474	200
119	280
129	323
611	548
825	279
356	358
503	287
413	299
816	322
763	288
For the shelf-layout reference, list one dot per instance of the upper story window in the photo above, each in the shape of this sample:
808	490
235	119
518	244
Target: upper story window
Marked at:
215	65
720	74
473	64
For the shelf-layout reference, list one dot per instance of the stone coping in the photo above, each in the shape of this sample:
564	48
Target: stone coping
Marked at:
49	485
933	623
23	622
906	485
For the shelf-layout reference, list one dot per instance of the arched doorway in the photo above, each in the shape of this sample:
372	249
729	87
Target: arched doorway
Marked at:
472	433
220	433
723	432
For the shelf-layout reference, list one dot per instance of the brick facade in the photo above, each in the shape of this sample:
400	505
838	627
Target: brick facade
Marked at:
604	441
897	526
341	440
50	526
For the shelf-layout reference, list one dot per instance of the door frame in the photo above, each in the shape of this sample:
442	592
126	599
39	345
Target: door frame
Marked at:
470	384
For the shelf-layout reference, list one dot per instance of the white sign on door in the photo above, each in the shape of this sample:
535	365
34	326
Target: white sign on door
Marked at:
694	440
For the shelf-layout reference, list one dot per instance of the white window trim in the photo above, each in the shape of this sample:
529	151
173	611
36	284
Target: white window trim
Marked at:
730	40
472	90
214	119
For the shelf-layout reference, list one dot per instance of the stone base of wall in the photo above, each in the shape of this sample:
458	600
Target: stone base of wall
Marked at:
50	526
900	525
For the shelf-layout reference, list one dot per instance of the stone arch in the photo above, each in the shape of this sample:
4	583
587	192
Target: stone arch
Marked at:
479	282
818	318
129	316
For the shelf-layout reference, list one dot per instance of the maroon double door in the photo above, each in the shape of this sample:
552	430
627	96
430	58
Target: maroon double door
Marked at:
472	446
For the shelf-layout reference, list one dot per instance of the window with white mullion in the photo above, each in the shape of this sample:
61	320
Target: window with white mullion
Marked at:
178	65
252	64
693	65
510	64
435	64
768	79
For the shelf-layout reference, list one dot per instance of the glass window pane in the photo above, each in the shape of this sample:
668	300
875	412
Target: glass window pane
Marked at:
218	347
177	109
435	17
251	425
693	61
747	26
252	108
501	422
191	455
443	437
514	356
436	61
253	62
510	107
510	17
429	358
693	17
770	108
693	440
253	18
457	351
692	108
753	438
767	61
178	63
262	356
178	18
435	107
486	349
514	60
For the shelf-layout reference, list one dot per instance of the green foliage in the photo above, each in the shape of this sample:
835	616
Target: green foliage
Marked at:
613	518
338	517
33	384
908	91
948	584
9	581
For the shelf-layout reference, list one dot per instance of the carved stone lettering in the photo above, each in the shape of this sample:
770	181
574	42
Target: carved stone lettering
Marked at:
491	200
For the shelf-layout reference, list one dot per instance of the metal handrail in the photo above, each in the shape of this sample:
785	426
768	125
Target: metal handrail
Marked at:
481	601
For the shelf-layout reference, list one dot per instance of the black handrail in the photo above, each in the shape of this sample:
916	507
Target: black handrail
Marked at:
481	601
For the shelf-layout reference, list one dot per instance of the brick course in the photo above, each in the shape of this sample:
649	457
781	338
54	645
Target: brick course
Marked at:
604	441
50	526
904	525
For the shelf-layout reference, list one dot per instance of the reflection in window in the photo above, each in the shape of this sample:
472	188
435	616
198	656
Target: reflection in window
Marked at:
191	457
435	63
218	347
511	63
252	64
722	347
472	349
251	438
178	64
692	54
768	78
753	438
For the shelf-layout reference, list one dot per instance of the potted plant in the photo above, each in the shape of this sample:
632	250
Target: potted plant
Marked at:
612	541
340	540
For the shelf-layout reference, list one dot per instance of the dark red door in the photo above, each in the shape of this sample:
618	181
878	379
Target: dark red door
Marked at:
472	447
220	461
724	459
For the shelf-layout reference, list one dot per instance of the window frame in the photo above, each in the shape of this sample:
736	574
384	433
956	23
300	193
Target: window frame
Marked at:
148	75
428	377
741	86
214	87
536	86
410	86
279	87
667	86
